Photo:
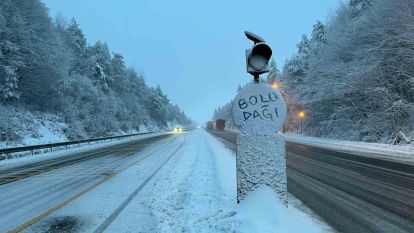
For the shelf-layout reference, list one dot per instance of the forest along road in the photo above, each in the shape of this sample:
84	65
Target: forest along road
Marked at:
353	193
31	192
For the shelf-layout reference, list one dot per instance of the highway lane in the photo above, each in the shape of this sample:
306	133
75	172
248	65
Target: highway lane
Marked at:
30	192
352	193
19	172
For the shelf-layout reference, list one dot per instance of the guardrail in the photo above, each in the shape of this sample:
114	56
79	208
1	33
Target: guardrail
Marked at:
6	152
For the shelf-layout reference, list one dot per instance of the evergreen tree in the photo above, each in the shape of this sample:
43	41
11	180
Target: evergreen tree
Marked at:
101	60
274	73
117	65
8	83
359	83
80	62
77	38
298	65
49	69
158	105
359	6
319	37
12	35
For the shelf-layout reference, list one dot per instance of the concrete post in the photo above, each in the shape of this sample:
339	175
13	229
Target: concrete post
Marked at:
261	160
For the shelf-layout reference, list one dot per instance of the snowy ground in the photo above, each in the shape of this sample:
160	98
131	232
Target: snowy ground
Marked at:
48	128
195	191
47	132
401	152
199	191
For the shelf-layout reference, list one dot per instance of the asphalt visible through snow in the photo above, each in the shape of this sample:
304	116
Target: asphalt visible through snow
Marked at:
8	175
31	192
353	193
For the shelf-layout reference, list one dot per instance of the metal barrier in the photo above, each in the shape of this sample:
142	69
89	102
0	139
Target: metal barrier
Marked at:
50	146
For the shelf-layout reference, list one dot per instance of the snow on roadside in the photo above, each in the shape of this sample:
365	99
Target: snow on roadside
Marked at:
196	192
24	128
401	152
404	152
47	132
261	210
20	161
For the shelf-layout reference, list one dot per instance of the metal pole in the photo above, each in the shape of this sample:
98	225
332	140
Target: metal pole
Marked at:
301	132
256	78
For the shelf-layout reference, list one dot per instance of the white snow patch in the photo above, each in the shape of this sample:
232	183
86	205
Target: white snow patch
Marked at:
47	132
403	152
143	128
196	192
33	129
262	211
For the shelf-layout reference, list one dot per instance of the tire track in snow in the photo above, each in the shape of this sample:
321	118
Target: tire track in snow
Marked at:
87	189
115	214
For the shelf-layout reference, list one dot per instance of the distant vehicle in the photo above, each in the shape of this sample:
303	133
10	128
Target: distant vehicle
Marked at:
178	130
210	125
220	124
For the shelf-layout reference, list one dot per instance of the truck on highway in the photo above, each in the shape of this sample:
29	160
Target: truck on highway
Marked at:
210	125
220	124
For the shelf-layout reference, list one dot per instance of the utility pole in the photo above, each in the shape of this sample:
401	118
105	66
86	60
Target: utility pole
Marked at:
301	116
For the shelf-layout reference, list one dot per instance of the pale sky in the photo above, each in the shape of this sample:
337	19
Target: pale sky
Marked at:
194	49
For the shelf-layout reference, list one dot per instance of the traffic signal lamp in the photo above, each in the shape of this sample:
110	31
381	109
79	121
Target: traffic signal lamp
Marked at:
257	57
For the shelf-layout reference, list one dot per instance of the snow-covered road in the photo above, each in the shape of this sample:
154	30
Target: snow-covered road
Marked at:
52	184
185	183
352	192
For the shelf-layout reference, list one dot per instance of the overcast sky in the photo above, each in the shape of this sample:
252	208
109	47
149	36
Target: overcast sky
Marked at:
194	49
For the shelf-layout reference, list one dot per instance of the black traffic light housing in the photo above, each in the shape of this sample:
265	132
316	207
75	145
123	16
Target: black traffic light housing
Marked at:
257	58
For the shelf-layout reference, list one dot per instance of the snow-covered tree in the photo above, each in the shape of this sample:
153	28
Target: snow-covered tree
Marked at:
77	38
158	104
274	73
48	68
359	84
11	53
99	77
117	69
359	6
298	65
101	61
319	37
8	82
